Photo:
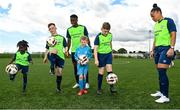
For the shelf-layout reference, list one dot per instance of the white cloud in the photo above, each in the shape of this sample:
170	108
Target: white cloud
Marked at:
130	20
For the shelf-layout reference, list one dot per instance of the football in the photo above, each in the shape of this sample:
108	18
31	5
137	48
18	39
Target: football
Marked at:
111	78
11	69
83	59
51	41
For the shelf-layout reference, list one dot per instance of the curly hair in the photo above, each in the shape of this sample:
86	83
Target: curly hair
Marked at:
23	43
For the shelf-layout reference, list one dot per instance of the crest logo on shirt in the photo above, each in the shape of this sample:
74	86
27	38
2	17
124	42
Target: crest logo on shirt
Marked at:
164	61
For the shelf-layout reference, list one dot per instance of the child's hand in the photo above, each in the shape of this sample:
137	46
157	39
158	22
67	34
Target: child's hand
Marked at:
67	53
96	62
45	60
79	61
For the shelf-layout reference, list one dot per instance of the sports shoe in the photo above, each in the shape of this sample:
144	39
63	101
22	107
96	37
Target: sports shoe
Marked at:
85	91
80	93
99	92
87	86
157	94
112	89
11	77
162	99
76	85
58	90
51	72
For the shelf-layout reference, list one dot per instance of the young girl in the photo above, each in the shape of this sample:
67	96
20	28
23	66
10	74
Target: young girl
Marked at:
22	58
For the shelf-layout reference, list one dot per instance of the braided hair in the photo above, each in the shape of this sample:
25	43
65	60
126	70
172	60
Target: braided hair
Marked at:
23	45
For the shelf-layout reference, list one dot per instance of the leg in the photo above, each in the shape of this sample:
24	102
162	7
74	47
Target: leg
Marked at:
163	79
109	70
100	78
52	59
75	67
59	67
24	82
25	70
58	79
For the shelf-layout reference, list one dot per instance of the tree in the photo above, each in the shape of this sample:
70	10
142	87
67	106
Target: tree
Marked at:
122	50
114	51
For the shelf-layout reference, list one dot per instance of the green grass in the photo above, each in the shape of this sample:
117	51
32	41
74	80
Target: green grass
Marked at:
137	79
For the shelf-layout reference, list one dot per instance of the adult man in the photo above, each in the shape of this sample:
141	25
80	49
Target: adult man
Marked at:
74	34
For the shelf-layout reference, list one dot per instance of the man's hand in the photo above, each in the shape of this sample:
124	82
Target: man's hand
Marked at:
96	62
151	54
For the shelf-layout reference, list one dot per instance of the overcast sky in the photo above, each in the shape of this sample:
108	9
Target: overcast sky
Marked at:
130	21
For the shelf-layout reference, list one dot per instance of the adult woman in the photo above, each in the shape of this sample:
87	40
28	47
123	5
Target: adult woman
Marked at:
162	50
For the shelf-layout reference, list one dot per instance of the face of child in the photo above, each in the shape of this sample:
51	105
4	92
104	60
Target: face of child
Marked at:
22	48
52	29
104	31
83	42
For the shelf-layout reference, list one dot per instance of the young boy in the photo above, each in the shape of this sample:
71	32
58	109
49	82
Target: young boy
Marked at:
22	59
57	54
103	54
82	69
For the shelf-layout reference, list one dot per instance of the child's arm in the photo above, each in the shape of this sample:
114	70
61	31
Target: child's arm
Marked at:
13	59
45	56
30	59
65	47
95	55
89	53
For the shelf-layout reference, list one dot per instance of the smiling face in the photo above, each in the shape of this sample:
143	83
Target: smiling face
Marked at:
52	29
84	42
73	21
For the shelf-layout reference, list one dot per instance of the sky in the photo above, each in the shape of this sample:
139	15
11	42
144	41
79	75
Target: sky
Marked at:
130	21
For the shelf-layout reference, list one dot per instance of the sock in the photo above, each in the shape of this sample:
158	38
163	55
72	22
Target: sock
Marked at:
24	81
164	82
58	82
81	83
108	74
84	81
12	76
75	72
100	78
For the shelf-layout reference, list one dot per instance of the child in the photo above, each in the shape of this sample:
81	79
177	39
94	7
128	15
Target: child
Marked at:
57	55
82	69
103	54
22	59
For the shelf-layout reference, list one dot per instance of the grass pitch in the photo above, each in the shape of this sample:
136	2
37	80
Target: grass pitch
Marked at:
137	79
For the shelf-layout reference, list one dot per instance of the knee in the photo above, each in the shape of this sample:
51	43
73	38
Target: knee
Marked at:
80	77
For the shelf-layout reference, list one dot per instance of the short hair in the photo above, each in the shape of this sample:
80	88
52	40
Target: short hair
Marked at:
84	38
156	8
74	16
51	24
106	25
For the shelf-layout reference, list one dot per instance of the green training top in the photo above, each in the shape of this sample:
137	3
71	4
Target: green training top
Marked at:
161	33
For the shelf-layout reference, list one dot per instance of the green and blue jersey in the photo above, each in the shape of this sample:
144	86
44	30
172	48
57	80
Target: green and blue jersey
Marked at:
162	30
22	58
75	33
